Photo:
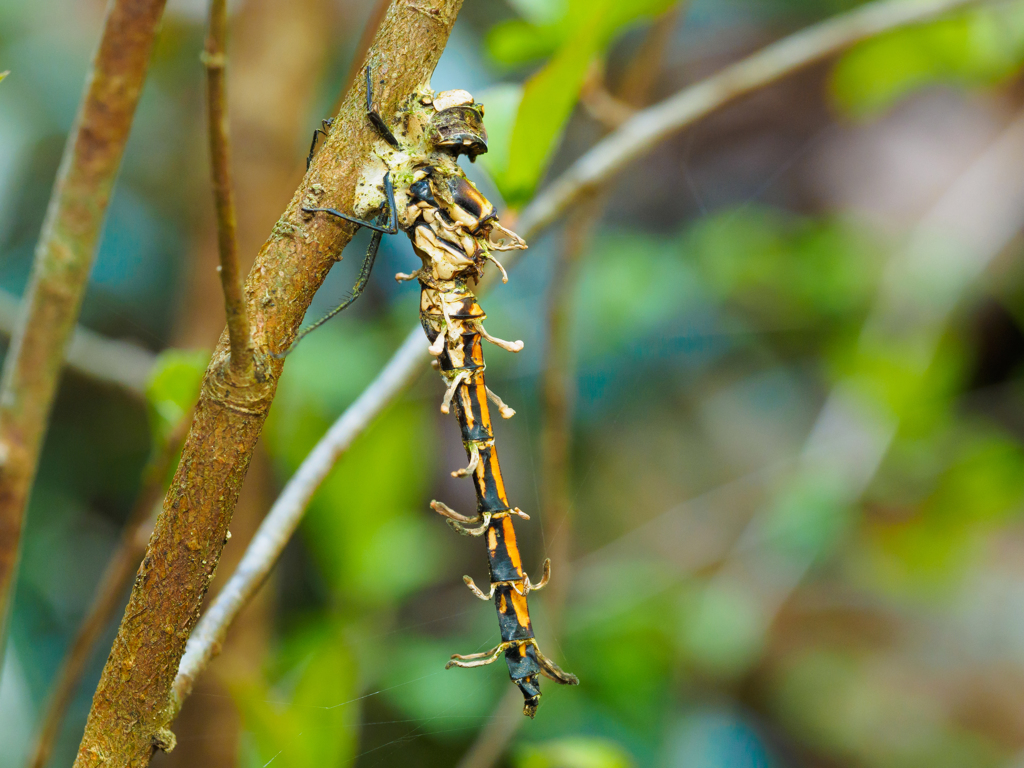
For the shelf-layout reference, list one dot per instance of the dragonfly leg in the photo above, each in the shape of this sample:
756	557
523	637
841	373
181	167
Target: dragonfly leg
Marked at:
477	659
511	346
476	590
446	403
326	123
389	194
474	461
504	410
374	115
357	289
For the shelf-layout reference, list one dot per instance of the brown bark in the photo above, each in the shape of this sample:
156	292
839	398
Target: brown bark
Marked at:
132	709
277	52
63	260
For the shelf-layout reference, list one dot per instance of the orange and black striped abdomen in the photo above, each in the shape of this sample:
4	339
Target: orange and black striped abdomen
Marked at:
473	412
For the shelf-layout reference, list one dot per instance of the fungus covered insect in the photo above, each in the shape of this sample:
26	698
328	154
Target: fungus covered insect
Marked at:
415	184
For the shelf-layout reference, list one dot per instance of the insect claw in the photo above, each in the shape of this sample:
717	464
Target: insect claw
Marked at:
467	526
476	590
450	393
511	346
474	460
402	276
504	410
443	509
546	574
551	670
504	274
501	239
518	511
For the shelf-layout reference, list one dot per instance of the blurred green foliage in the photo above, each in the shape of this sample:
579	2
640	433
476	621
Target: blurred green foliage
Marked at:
289	723
975	48
548	28
573	753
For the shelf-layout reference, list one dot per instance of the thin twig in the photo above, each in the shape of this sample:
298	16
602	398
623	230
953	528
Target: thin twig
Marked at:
62	262
215	60
109	592
646	129
408	359
116	363
132	708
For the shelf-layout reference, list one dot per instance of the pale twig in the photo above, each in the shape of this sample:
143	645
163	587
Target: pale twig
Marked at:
647	128
215	60
812	44
64	256
116	363
109	592
283	518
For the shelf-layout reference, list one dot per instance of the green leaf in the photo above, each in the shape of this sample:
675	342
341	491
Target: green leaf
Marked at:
540	11
784	270
574	752
173	389
975	48
548	100
544	32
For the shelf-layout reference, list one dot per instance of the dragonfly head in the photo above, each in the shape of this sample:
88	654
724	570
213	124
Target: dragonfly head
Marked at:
457	124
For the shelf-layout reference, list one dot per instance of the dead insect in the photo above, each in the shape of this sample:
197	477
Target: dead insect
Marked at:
415	184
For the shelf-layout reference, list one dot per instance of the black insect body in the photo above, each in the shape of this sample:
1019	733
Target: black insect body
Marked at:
416	185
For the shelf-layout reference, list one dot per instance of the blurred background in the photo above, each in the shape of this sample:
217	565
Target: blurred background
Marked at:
786	513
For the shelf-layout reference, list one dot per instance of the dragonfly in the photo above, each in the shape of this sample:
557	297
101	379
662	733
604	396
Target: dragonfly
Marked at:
414	184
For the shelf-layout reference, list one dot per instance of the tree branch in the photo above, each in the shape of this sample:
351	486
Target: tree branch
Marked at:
63	259
215	60
117	363
407	361
132	708
646	129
